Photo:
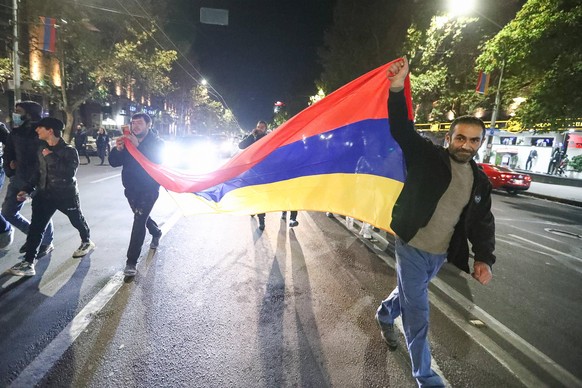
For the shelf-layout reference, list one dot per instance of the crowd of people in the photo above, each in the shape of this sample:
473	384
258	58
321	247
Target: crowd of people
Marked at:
42	167
445	203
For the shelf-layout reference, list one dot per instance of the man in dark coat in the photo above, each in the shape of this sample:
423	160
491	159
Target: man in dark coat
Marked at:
141	190
445	201
257	133
20	164
55	188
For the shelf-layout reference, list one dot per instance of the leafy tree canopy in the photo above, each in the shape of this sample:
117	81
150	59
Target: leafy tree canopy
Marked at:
543	55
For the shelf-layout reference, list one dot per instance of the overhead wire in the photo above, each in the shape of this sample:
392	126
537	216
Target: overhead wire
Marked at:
199	82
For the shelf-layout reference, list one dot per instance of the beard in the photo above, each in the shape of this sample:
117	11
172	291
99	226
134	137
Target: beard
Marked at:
460	155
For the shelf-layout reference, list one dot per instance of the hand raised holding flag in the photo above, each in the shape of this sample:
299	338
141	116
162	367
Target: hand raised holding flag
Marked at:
397	73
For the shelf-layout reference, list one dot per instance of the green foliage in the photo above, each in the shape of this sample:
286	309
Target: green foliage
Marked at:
5	69
543	60
576	163
442	73
208	115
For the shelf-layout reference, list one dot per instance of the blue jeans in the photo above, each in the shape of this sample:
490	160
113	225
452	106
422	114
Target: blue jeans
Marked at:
414	268
11	211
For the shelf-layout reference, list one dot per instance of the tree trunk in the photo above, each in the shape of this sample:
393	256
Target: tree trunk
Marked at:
69	126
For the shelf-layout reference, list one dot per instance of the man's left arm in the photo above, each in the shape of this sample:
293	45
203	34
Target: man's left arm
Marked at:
482	237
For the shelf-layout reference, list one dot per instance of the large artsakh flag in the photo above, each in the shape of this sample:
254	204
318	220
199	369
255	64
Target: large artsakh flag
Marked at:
337	155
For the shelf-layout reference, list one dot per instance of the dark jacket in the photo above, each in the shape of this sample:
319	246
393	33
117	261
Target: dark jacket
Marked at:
134	178
80	139
428	177
250	139
4	133
22	146
55	172
102	141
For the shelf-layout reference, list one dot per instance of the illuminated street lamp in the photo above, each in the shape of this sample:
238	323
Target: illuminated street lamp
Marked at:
464	7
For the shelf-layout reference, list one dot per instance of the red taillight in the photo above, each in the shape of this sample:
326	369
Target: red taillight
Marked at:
527	178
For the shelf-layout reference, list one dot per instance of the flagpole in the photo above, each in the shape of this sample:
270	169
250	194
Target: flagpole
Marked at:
487	157
16	56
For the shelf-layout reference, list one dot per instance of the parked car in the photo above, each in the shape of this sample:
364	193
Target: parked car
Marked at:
504	178
92	140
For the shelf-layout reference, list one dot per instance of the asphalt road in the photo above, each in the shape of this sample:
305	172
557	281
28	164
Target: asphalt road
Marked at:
220	304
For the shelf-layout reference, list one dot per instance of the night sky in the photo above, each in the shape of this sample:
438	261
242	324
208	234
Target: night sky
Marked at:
268	52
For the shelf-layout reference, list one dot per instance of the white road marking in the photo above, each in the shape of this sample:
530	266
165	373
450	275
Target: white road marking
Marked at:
546	248
508	361
37	369
105	179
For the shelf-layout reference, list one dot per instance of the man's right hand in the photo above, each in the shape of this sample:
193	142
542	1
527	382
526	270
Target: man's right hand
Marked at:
119	144
397	73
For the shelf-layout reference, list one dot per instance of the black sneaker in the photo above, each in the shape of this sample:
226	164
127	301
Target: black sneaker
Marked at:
22	248
293	223
284	215
262	226
44	250
155	242
388	334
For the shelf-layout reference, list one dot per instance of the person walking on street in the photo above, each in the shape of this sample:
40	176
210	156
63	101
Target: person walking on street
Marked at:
292	218
533	155
20	165
6	230
259	132
141	190
81	142
55	188
445	201
102	142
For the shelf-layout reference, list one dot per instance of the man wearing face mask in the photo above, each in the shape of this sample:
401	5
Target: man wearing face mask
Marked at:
20	164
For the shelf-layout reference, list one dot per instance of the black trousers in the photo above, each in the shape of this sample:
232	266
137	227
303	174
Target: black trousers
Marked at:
82	151
43	208
141	204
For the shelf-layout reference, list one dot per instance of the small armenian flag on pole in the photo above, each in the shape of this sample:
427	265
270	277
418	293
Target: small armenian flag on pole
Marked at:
483	82
47	34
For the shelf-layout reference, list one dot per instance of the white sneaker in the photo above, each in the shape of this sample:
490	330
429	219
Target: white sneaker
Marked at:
84	248
24	268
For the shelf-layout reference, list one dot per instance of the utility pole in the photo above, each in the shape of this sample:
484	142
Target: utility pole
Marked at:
16	55
487	157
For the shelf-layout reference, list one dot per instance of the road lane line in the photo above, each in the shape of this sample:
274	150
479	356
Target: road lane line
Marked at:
105	179
528	350
39	367
546	248
506	360
490	346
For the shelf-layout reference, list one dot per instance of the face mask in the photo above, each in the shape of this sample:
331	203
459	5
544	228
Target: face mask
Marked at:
16	120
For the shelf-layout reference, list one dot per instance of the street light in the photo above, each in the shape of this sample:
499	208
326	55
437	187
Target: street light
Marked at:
463	7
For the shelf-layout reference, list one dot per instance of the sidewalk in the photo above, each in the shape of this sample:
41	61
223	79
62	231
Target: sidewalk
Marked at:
571	195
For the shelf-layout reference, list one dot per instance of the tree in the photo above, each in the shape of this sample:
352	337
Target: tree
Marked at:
97	49
210	116
365	35
543	59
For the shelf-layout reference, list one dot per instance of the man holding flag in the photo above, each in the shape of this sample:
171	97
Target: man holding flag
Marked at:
141	190
445	201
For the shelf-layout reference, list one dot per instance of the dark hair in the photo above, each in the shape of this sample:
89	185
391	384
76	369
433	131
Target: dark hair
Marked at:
33	108
142	115
263	122
471	120
51	123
